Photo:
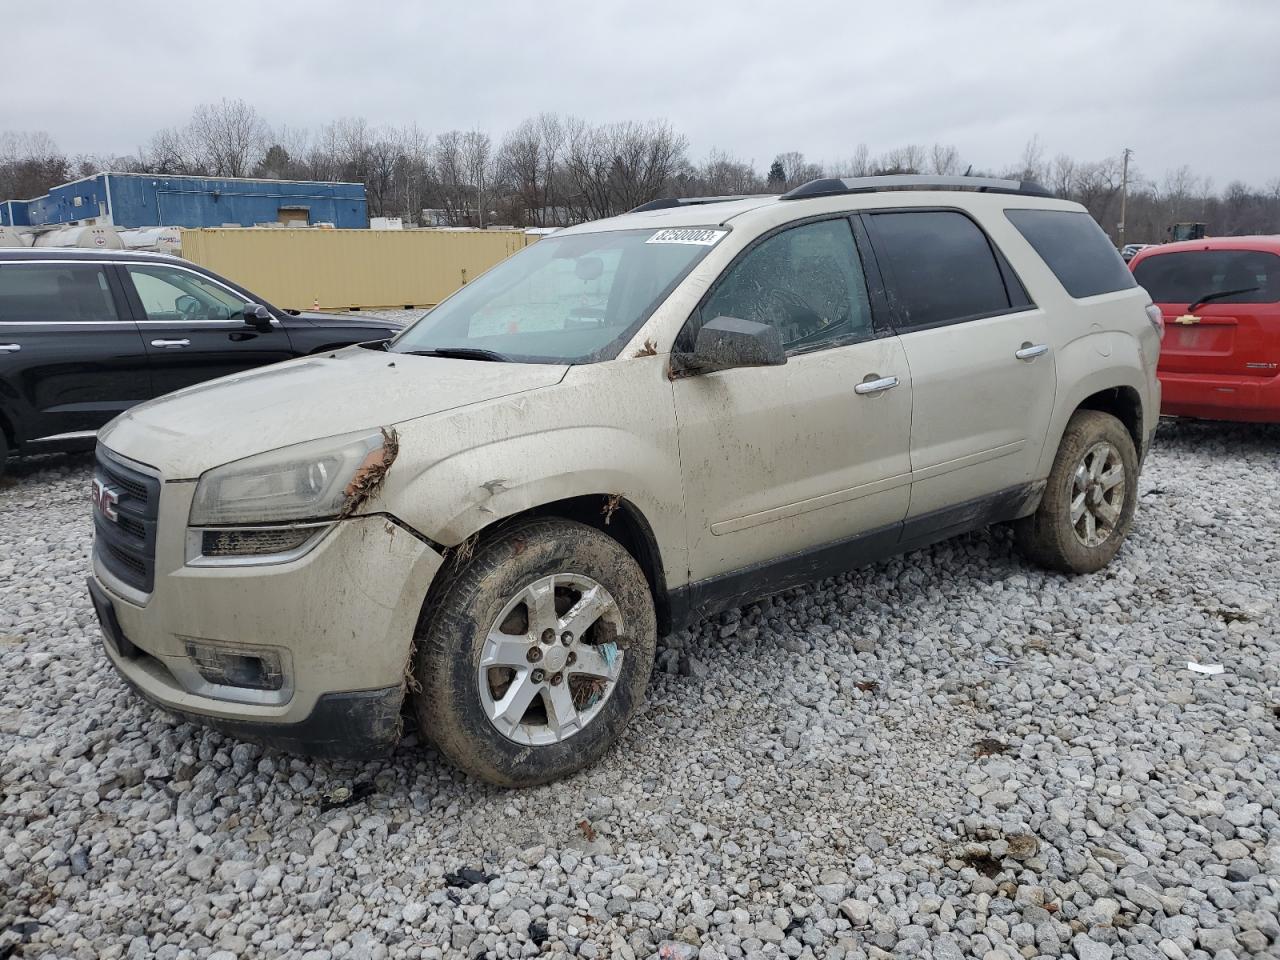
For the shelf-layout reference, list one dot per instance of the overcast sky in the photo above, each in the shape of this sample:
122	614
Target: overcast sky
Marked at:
1180	81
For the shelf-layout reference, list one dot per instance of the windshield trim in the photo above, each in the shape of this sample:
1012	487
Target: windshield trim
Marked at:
611	350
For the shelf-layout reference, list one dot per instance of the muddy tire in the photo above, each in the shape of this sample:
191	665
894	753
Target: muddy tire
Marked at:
4	452
1089	501
533	658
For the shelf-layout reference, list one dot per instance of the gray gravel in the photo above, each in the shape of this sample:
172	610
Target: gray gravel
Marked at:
944	756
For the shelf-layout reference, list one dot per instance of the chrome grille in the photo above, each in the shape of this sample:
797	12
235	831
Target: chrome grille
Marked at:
126	546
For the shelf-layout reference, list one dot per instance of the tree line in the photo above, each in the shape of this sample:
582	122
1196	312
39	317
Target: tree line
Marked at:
552	170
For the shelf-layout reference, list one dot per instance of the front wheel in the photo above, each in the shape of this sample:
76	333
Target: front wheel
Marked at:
1089	500
536	654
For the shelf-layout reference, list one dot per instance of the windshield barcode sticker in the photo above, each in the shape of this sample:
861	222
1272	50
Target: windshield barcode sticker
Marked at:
700	236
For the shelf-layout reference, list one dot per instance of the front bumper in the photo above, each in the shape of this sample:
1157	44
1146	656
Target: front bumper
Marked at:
1221	397
338	621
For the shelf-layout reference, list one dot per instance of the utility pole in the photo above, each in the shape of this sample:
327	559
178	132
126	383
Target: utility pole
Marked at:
1124	192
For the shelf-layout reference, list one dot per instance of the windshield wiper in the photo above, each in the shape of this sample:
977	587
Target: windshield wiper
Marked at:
460	353
1218	296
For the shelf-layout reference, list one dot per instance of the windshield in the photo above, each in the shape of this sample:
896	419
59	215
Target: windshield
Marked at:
569	299
1195	274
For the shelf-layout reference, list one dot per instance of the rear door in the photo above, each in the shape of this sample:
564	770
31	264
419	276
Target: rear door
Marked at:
1235	336
194	327
71	357
982	369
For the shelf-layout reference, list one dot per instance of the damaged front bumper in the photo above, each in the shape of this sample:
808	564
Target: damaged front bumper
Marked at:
309	655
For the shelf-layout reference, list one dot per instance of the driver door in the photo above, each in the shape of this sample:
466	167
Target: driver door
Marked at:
792	469
194	328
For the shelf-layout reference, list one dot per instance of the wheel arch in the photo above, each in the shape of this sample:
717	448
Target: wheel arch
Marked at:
1118	391
1122	402
613	515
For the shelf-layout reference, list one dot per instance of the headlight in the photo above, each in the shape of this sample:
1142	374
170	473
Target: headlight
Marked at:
302	482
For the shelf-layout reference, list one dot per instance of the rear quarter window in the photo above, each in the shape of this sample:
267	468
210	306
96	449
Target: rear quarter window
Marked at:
1074	247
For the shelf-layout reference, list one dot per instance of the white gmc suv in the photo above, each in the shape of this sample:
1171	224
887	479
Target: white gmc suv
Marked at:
633	423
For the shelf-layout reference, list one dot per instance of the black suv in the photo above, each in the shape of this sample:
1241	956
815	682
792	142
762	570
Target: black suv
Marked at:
85	334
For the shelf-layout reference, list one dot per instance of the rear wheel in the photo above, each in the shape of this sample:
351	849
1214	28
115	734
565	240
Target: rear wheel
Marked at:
4	452
1089	500
535	656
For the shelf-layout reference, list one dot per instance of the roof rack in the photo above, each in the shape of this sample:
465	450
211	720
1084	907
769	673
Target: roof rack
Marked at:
830	186
666	203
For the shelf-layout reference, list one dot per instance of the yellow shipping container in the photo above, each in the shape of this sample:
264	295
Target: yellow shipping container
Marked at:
344	269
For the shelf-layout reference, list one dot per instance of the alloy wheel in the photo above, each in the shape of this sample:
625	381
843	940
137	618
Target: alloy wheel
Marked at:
1097	494
551	660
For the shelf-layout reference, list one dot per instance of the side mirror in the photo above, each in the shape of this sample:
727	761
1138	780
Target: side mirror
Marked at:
728	342
257	316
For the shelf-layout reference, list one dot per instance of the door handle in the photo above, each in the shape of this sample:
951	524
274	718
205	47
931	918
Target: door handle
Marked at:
874	384
1030	351
10	347
171	343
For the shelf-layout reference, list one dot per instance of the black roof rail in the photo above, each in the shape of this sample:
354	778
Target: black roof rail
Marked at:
666	203
831	186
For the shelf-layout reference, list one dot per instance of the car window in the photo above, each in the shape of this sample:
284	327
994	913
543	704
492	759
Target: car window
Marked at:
54	292
1074	247
939	267
570	298
1190	275
806	281
564	292
175	295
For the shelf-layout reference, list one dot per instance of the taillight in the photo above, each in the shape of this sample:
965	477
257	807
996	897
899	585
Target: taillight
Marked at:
1156	318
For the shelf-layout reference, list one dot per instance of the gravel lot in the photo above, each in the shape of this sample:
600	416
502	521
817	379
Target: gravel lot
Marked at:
947	755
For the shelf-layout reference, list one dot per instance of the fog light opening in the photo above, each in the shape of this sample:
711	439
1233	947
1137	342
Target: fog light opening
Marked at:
248	669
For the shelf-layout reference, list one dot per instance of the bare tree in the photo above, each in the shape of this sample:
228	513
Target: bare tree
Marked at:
723	175
171	151
477	169
551	170
856	165
612	168
1062	175
30	163
944	160
795	170
1031	165
909	159
450	175
228	137
1096	186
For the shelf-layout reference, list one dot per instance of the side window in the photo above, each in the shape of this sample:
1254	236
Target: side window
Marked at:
174	295
939	267
1074	247
52	293
806	281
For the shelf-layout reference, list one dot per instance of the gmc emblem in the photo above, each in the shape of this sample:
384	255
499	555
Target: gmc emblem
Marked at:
105	499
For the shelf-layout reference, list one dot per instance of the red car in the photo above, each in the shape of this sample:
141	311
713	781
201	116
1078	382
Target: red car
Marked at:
1220	297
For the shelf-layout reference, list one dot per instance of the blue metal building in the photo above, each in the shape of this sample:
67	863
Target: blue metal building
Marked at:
152	200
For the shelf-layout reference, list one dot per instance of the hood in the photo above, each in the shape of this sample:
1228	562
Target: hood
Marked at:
188	432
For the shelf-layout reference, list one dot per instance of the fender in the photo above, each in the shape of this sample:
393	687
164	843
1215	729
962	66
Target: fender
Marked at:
1099	361
463	473
464	493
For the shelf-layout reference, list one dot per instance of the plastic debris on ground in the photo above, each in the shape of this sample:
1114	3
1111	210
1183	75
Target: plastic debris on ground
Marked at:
1208	669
